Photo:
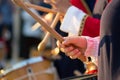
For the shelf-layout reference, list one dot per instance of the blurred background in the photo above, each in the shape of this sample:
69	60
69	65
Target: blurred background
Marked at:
13	22
19	42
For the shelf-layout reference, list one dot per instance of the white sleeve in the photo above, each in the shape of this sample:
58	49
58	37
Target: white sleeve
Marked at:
72	20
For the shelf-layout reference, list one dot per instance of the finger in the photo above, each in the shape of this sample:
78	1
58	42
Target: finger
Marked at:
69	40
62	49
68	49
76	55
58	43
72	53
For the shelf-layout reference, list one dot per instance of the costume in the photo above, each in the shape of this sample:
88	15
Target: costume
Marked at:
84	24
109	65
109	52
88	25
80	24
83	5
66	66
64	70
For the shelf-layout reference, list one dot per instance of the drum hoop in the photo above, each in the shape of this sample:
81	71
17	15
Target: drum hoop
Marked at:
49	70
23	63
82	77
35	60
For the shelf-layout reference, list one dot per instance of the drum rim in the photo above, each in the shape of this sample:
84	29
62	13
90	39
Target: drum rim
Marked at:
23	63
73	77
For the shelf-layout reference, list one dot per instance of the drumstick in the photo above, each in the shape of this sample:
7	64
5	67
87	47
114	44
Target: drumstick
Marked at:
40	8
36	26
42	44
39	19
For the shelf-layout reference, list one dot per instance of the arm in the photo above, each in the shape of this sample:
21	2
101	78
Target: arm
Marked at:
76	22
76	45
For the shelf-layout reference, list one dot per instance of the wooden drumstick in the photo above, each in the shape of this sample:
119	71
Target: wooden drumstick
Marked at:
39	19
42	44
40	8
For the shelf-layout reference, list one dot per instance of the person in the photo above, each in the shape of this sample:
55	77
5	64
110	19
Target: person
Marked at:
63	64
29	36
89	46
107	44
87	24
83	23
6	22
3	53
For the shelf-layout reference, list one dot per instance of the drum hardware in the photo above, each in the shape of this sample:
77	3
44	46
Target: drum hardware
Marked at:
30	74
77	73
91	67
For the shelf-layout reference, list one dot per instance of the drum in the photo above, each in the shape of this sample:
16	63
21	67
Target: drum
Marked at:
31	69
83	77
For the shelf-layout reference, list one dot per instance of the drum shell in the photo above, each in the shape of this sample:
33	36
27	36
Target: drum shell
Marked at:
38	72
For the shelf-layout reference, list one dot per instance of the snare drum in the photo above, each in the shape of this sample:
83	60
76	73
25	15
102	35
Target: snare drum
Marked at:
31	69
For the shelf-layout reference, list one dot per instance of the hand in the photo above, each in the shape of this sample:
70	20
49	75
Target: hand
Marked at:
73	46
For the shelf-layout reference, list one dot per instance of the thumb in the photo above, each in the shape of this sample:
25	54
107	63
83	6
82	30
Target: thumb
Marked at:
69	40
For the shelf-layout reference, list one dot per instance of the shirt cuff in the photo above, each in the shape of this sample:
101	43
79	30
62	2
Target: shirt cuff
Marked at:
72	20
92	46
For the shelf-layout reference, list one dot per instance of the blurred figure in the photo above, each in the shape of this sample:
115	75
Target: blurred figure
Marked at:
66	67
6	10
3	52
29	38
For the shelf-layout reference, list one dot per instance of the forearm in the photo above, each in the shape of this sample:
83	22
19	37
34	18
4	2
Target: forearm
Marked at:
76	22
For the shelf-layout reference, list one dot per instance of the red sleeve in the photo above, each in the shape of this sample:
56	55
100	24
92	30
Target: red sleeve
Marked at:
91	27
79	4
109	0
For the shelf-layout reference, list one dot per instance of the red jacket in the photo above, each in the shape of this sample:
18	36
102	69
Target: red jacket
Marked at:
91	25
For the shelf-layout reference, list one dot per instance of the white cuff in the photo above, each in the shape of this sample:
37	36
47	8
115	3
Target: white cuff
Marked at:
72	20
